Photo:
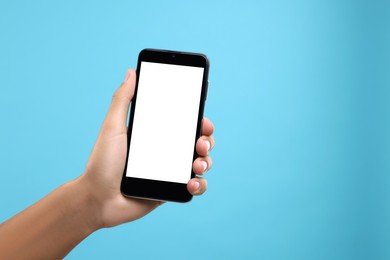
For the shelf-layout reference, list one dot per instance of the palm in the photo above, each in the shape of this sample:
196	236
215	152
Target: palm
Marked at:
106	164
106	177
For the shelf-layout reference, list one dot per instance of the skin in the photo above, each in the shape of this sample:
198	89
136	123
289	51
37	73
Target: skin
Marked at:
52	227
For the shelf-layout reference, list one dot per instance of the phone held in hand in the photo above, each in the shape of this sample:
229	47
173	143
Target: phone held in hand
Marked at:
165	122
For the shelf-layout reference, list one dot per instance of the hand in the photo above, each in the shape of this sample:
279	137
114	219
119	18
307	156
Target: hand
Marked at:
76	209
104	170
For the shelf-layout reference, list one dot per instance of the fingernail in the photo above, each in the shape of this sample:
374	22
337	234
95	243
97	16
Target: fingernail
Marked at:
196	185
127	76
204	164
208	145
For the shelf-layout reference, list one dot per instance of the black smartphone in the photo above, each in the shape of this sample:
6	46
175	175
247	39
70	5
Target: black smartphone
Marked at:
165	122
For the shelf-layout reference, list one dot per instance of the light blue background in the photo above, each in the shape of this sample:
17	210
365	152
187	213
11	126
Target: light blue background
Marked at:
299	94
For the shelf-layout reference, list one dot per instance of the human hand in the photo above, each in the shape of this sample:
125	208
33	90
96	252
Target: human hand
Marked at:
104	170
76	209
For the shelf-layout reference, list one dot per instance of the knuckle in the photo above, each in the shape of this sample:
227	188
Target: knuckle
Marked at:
209	162
204	187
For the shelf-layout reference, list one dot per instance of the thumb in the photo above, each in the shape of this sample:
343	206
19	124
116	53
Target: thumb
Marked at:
117	114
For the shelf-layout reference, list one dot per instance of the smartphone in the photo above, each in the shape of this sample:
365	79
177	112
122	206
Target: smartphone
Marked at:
165	121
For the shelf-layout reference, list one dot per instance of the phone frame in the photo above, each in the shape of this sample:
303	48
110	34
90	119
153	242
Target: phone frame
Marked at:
155	189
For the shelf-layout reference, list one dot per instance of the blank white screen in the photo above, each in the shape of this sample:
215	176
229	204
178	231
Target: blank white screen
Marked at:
165	119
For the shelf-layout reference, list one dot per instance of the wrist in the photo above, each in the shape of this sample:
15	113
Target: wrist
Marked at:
83	204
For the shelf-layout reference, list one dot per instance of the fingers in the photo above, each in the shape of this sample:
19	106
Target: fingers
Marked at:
207	127
197	186
117	113
202	164
204	145
206	142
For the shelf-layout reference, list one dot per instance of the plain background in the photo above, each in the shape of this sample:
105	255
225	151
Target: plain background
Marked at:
299	94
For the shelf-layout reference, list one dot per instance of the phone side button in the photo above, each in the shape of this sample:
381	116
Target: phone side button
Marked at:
207	88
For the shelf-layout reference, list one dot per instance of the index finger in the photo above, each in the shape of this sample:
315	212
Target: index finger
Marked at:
207	127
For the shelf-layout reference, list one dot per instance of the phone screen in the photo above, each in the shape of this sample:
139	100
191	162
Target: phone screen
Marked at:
165	122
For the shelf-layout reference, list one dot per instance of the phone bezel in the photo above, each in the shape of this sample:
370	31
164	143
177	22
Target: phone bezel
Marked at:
154	189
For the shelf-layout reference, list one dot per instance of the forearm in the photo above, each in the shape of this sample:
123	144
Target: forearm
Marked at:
52	227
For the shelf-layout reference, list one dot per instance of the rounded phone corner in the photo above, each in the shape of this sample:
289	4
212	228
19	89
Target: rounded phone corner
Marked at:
189	200
186	199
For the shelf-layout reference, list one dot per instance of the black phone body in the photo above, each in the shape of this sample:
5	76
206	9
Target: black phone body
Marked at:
165	122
